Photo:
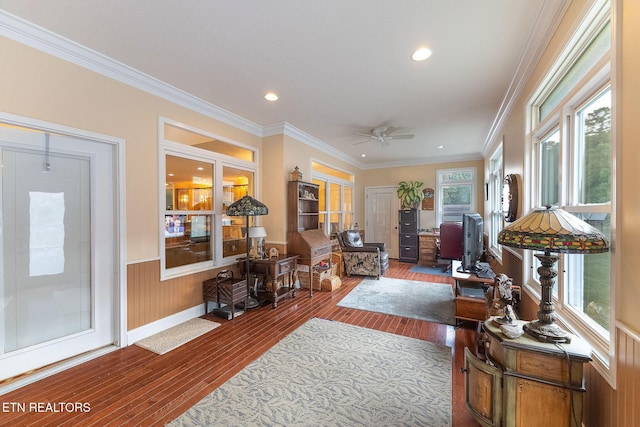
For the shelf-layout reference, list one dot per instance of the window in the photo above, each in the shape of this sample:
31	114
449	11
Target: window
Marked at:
335	198
200	176
495	191
572	167
456	193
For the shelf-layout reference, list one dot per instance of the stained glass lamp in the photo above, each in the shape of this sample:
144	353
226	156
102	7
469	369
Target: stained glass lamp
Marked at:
248	206
551	230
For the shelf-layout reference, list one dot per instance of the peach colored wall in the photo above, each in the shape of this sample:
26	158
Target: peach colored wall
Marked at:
40	86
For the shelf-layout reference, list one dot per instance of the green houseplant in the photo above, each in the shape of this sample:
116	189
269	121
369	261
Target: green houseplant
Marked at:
410	194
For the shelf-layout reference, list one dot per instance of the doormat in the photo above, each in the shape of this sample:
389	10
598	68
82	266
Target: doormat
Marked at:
169	339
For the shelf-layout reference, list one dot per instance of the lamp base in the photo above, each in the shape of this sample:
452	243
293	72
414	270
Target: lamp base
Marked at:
252	303
546	332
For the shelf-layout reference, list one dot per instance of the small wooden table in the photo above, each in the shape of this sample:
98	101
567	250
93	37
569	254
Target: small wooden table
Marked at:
470	301
272	270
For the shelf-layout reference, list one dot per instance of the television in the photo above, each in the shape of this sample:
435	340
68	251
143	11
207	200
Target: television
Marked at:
472	243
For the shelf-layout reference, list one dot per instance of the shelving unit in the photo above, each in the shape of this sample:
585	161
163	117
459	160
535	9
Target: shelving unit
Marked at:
303	207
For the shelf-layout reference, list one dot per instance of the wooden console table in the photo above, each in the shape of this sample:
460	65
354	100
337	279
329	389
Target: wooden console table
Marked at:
525	382
272	270
470	301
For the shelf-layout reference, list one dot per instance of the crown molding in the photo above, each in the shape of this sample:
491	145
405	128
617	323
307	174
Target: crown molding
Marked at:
552	11
25	32
284	128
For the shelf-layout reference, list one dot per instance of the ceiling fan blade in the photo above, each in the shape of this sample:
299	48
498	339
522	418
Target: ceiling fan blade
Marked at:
400	137
361	142
389	130
364	134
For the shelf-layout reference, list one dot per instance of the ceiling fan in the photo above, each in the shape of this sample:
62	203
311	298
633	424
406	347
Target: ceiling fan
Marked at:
382	134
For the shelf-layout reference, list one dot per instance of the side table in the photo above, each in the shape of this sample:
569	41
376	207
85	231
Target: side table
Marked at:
272	270
225	289
469	289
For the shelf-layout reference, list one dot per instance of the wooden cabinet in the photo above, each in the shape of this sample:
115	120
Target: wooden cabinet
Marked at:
525	382
469	289
427	249
303	206
304	238
408	235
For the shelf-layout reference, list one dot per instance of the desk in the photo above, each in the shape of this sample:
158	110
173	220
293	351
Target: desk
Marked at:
272	270
470	301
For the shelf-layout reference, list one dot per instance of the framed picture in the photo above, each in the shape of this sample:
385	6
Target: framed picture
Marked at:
427	202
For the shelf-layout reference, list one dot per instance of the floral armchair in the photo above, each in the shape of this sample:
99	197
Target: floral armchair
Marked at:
365	259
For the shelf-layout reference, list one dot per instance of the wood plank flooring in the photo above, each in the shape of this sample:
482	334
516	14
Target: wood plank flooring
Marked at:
133	386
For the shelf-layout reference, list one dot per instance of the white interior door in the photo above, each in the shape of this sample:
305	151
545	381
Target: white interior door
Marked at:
381	213
57	275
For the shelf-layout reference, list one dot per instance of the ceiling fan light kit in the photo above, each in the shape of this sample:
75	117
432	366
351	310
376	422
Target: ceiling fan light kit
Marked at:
383	135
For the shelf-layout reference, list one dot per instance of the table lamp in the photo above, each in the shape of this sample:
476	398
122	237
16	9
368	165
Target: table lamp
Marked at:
247	206
258	234
550	229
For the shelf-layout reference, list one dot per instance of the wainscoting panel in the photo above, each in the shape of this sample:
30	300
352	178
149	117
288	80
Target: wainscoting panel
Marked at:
149	299
628	386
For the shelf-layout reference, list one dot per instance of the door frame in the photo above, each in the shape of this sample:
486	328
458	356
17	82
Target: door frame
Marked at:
120	300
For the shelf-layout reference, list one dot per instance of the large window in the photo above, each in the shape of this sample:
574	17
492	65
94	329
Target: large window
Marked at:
572	167
335	197
200	176
456	193
496	214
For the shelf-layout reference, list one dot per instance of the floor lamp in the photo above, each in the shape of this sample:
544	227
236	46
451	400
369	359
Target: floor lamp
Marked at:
247	206
551	230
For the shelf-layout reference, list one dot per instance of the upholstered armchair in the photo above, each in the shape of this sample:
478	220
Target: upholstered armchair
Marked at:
364	259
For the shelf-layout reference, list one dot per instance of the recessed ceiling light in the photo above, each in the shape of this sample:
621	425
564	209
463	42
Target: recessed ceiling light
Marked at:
421	54
271	97
440	146
363	155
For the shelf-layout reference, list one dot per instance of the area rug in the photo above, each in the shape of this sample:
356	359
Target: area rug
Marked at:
439	270
328	373
407	298
174	337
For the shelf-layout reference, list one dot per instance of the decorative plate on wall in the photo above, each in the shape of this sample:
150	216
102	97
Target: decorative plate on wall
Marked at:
510	197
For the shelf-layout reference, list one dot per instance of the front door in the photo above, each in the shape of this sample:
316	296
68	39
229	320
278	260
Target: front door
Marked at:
57	275
382	217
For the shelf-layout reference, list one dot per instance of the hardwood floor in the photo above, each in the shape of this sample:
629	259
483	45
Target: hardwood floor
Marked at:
133	386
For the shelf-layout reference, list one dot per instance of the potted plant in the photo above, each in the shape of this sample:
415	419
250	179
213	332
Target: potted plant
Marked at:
410	194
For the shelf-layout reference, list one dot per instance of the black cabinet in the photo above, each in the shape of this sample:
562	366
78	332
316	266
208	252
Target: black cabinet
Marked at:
408	235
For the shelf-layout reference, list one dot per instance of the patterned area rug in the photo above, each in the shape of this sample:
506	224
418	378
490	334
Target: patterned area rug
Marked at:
328	373
174	337
407	298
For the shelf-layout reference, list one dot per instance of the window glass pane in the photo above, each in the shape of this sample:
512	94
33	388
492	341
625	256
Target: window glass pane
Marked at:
594	150
188	184
194	139
456	200
588	281
598	47
348	199
237	183
187	239
549	169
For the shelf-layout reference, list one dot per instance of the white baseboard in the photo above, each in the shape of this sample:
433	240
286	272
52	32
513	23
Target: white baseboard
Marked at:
165	323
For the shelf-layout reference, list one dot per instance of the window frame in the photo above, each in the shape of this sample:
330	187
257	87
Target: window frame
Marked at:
562	117
441	184
494	195
328	179
218	161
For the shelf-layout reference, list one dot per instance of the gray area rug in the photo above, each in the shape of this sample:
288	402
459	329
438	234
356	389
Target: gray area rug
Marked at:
407	298
328	373
174	337
439	270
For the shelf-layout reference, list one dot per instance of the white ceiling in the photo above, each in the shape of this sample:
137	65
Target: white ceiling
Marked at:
338	66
